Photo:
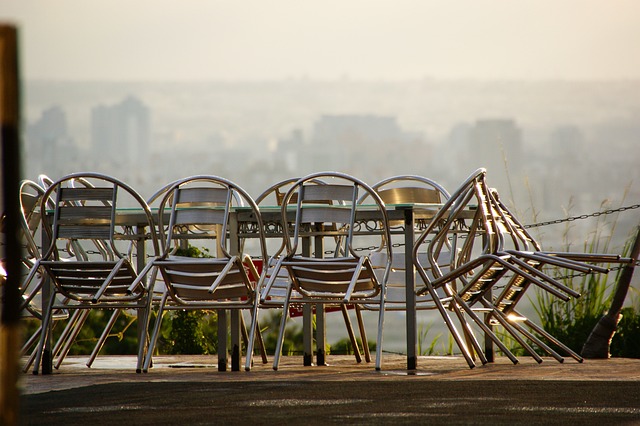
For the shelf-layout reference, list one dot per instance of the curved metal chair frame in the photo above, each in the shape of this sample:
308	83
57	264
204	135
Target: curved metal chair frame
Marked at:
328	210
480	261
88	214
278	290
199	209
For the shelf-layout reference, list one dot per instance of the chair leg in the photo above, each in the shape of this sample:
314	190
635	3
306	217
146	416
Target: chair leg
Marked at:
144	315
450	325
245	338
154	334
30	342
103	337
363	334
486	329
68	330
352	336
32	356
527	334
263	348
553	339
252	335
380	333
43	336
513	330
71	338
283	323
470	336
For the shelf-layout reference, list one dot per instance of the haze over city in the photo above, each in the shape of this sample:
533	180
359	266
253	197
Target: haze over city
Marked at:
245	79
374	40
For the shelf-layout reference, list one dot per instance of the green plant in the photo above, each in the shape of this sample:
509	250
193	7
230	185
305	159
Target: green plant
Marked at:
572	322
626	341
188	331
423	331
344	346
293	338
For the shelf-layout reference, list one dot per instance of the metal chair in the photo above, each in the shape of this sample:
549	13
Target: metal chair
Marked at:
86	281
483	260
277	292
470	250
158	289
200	213
405	189
30	226
526	253
330	210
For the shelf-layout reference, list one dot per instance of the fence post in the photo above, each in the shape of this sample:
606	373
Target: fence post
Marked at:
10	137
597	345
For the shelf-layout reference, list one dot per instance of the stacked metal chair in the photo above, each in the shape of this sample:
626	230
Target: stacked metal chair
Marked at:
487	250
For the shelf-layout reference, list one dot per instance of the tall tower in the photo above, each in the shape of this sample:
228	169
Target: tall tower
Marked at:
121	132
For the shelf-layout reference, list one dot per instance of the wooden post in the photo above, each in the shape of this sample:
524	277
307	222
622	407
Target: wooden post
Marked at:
597	345
10	137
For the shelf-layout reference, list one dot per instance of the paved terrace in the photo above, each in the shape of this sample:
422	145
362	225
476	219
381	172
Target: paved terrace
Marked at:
189	390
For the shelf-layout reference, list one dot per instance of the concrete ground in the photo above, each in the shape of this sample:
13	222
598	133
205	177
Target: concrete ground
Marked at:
443	390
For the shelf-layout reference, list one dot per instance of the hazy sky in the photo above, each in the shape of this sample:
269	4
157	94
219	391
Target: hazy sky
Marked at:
327	39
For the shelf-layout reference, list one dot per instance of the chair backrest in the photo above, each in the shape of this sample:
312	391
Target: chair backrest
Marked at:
30	196
276	192
403	189
274	196
199	209
517	238
444	235
30	225
410	189
84	209
331	203
44	181
520	238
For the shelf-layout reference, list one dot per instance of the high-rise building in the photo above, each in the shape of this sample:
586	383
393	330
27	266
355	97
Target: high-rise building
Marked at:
120	133
49	148
497	144
368	146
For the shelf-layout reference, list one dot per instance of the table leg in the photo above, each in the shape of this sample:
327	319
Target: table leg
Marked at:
236	353
307	316
307	334
222	340
412	359
321	334
47	354
143	314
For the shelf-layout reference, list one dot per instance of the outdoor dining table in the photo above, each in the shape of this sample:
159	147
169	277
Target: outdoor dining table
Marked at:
408	213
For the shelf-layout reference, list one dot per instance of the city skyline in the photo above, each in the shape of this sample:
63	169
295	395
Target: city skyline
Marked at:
568	141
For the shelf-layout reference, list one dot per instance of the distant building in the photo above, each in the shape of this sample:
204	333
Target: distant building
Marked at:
49	147
368	146
497	144
121	132
493	144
